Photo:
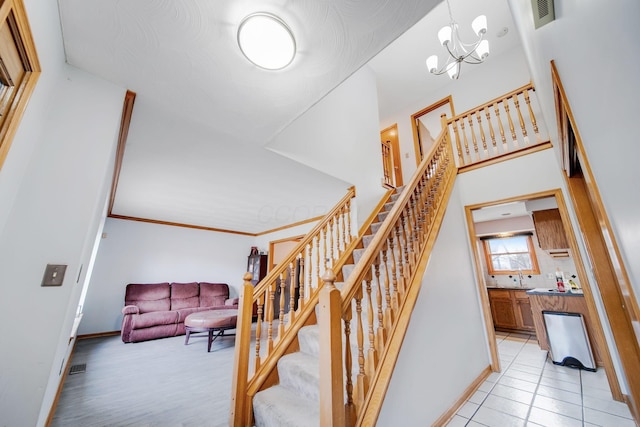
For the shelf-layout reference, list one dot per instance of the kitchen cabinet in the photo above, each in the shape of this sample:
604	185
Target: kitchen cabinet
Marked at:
549	229
511	310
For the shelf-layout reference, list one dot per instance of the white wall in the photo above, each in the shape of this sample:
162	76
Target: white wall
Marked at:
470	90
340	136
54	183
595	48
139	252
445	343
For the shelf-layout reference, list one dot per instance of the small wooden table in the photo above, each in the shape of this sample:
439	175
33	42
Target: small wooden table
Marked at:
210	321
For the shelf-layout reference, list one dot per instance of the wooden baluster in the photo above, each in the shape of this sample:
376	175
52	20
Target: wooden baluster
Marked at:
317	240
377	344
473	137
406	265
332	410
349	220
292	291
309	270
466	142
516	102
270	314
362	381
283	286
500	127
350	409
482	136
382	329
259	331
330	243
302	285
511	128
454	124
325	258
373	347
399	289
342	229
389	312
492	134
532	116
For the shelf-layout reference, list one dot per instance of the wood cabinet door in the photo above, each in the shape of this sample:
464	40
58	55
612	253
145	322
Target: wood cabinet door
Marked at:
549	229
502	310
524	315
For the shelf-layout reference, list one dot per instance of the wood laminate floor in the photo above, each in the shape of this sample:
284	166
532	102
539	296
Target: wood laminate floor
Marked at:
153	383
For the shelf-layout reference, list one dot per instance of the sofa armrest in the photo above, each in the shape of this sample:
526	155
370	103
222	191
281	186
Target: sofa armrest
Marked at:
232	301
130	309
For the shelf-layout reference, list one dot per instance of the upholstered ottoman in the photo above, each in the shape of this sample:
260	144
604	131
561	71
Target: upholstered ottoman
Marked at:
210	321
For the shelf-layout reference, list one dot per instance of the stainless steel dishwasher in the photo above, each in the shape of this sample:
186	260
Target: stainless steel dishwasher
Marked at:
568	340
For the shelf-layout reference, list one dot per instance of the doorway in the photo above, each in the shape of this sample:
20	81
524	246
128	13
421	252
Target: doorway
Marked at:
614	286
391	164
517	217
427	125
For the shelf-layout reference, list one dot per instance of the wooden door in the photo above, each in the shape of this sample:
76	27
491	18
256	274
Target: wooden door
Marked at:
391	165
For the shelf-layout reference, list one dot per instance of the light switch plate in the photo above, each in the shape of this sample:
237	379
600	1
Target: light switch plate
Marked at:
53	275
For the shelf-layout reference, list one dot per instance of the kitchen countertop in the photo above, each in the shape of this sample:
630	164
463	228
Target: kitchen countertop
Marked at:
554	292
510	288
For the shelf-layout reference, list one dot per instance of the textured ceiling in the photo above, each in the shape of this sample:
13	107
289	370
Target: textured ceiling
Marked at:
183	55
203	112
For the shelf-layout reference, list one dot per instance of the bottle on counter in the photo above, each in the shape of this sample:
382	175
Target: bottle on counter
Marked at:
559	280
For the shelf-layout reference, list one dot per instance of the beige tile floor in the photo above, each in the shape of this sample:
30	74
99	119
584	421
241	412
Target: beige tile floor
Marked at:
532	391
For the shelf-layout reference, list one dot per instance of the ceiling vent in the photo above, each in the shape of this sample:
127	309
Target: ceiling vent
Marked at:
542	12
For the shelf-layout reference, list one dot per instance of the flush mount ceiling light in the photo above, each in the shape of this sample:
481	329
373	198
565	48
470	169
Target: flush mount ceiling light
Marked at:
266	41
459	52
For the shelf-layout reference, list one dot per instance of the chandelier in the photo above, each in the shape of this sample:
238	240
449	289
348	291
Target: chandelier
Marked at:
459	52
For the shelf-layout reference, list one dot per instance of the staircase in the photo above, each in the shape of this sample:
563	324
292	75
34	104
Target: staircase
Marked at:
295	400
364	315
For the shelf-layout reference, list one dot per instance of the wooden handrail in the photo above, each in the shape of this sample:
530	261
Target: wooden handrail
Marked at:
524	88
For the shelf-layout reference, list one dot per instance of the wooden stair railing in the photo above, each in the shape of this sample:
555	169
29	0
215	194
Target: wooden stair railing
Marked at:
379	295
498	130
258	349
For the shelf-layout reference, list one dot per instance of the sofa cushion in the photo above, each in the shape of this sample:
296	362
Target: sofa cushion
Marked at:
184	312
184	295
160	331
213	294
148	296
155	318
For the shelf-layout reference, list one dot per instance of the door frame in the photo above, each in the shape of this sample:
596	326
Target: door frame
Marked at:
580	271
617	294
417	144
395	154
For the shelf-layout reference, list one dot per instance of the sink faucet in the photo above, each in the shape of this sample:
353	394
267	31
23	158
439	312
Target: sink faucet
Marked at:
520	277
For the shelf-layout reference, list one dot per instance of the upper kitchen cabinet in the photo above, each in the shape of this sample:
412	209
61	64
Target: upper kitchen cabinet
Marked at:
550	231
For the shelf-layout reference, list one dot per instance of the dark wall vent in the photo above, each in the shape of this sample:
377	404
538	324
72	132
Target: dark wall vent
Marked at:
543	12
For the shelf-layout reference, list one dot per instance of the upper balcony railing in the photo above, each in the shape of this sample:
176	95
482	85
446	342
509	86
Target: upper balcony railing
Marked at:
498	130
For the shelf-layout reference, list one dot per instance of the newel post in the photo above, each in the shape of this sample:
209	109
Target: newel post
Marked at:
239	403
331	369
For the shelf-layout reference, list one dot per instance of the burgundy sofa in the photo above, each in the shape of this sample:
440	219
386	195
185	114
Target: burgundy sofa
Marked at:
158	310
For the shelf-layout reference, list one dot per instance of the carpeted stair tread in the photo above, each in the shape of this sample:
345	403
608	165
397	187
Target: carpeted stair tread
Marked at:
279	406
300	372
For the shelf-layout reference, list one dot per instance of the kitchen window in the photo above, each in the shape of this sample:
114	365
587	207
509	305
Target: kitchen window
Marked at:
510	254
